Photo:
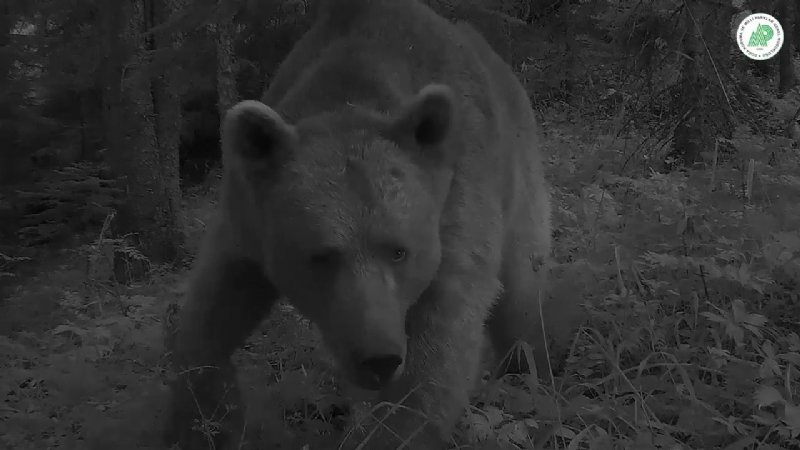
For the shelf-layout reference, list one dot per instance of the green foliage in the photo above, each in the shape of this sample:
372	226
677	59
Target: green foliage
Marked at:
690	341
8	264
691	279
66	202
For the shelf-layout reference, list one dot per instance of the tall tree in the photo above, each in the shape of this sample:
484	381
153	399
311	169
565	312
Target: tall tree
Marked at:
142	122
166	99
15	115
706	113
223	32
795	30
787	14
8	132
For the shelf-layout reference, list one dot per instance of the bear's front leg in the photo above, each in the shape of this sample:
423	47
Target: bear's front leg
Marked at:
227	298
445	341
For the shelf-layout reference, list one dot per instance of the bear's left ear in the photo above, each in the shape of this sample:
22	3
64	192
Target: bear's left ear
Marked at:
256	133
426	122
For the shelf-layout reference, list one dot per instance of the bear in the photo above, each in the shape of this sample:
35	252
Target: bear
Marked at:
390	185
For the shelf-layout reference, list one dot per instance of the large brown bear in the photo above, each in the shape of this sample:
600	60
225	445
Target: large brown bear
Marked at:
393	191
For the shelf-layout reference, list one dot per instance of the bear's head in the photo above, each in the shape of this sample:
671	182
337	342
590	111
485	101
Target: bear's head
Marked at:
348	208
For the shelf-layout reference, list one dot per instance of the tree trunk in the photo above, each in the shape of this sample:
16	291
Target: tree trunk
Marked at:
7	19
227	94
226	76
763	68
787	15
706	114
166	101
14	166
568	27
795	30
141	121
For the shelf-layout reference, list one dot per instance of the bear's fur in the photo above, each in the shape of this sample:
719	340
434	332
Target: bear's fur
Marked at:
393	191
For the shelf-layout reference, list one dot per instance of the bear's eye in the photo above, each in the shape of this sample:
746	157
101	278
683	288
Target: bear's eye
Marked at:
324	258
398	254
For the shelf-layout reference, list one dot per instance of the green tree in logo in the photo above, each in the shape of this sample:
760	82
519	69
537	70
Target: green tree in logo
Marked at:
761	36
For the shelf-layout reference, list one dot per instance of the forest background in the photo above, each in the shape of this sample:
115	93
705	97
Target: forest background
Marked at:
676	185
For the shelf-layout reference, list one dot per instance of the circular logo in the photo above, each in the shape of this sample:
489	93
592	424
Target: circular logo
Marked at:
760	36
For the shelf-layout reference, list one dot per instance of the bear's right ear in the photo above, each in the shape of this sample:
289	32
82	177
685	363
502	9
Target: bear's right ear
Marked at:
426	123
255	132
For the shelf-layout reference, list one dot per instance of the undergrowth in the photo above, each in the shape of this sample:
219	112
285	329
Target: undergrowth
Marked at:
691	341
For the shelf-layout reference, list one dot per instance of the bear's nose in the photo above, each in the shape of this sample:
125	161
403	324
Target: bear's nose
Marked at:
383	367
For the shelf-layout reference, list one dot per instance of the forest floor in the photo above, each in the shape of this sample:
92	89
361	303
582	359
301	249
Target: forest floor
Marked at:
691	290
